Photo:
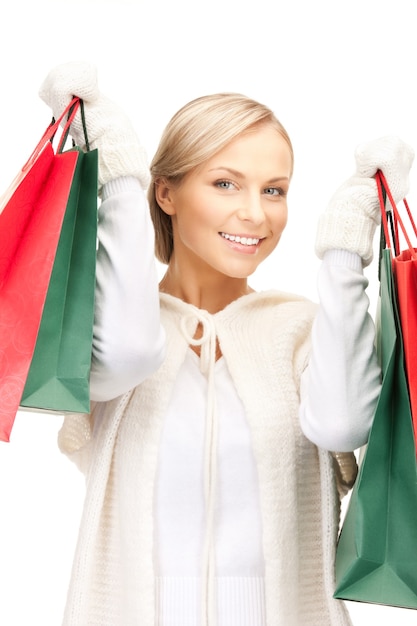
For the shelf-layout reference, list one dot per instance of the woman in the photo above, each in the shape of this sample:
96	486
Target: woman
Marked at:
211	493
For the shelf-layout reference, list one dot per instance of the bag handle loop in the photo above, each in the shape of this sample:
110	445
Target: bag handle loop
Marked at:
76	102
392	215
49	133
70	111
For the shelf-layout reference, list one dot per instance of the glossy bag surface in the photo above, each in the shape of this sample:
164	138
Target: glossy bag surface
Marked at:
58	377
32	213
377	549
405	275
404	265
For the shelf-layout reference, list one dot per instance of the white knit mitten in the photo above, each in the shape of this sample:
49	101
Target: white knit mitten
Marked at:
108	128
353	212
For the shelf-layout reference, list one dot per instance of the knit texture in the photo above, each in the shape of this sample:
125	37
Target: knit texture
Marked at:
353	212
392	156
264	339
109	130
350	219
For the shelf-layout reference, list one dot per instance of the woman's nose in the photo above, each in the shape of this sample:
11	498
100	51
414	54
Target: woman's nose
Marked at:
251	209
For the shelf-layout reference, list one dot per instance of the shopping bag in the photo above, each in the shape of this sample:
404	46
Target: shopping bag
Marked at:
376	556
59	373
31	215
404	264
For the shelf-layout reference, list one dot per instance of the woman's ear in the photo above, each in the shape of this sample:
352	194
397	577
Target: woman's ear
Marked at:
164	196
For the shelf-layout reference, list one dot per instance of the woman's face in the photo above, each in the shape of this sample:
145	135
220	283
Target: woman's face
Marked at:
228	215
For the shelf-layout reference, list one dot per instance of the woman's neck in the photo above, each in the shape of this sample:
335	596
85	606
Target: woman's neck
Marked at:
211	291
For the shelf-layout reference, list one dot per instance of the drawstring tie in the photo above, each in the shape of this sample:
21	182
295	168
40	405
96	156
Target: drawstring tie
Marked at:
207	343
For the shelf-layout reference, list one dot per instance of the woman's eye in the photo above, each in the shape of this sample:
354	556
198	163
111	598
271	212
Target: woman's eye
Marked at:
273	191
224	184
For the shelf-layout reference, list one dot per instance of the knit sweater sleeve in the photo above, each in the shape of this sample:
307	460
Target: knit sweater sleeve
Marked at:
128	341
340	387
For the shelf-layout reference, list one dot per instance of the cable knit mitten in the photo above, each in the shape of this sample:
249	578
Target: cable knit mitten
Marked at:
353	212
109	129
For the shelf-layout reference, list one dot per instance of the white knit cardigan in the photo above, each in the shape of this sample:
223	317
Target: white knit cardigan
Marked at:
265	340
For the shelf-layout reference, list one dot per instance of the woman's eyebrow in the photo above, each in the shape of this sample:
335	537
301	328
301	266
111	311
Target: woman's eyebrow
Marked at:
226	169
236	173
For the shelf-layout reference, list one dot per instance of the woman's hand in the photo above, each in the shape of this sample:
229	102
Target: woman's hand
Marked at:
353	213
108	128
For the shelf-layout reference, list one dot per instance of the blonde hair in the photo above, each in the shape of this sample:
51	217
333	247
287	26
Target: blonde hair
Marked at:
196	133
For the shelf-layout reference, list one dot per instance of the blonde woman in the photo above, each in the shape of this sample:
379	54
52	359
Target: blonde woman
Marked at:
212	494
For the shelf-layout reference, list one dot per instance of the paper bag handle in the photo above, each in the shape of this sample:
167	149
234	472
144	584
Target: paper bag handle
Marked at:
393	215
70	111
66	130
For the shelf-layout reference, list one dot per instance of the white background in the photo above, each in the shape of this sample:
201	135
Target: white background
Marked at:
335	73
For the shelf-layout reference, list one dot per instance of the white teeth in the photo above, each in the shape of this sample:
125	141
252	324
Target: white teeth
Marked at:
246	241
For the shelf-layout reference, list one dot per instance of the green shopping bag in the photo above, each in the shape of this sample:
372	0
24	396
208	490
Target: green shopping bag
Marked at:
59	373
376	558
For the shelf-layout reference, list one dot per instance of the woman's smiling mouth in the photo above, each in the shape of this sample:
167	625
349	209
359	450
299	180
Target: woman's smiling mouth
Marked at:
243	240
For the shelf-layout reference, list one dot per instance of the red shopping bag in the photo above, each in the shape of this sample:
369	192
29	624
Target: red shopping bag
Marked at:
31	216
404	264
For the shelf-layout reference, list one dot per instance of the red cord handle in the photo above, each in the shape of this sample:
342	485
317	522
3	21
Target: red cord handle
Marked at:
70	111
383	186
